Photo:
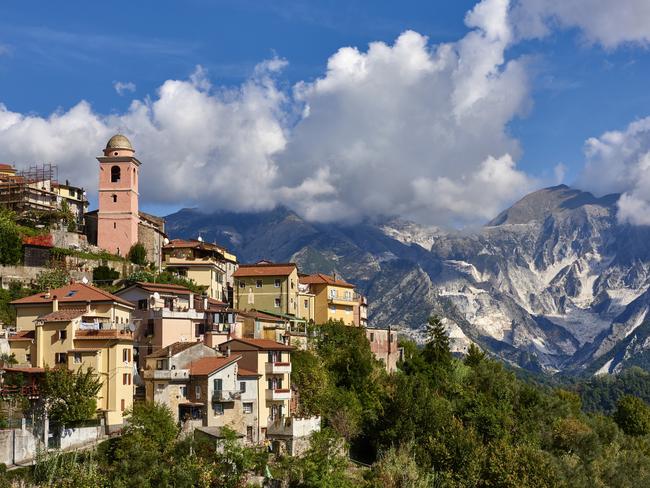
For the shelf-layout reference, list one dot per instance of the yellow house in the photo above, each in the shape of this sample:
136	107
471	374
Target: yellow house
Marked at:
209	265
79	326
271	361
334	299
266	286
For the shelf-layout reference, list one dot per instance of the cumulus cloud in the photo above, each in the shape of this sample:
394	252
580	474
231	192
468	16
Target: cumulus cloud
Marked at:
123	87
609	23
619	162
407	128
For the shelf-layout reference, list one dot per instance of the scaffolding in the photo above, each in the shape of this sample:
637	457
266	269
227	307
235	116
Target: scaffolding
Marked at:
32	189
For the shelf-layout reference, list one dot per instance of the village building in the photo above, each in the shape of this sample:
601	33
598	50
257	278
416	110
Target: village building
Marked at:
267	287
384	346
334	299
270	360
78	326
208	265
118	223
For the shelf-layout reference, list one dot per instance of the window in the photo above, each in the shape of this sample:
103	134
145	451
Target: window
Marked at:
217	384
63	335
292	284
348	295
307	303
60	358
248	407
197	392
242	386
333	293
258	283
242	284
276	283
372	337
114	198
218	408
126	355
126	379
115	174
277	303
77	358
143	304
122	404
28	357
184	391
114	225
249	433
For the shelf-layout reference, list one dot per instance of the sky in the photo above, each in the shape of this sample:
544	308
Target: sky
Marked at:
443	112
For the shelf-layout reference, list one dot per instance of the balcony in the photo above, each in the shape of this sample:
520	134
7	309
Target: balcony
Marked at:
277	368
278	394
167	374
166	313
336	300
219	396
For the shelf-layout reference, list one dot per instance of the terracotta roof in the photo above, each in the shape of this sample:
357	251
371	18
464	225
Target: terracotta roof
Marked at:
261	344
247	372
102	334
265	269
73	293
163	287
323	279
5	167
172	349
22	335
254	314
23	369
40	241
84	349
193	244
62	315
205	366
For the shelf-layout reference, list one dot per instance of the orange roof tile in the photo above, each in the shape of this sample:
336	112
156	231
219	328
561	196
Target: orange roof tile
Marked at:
73	293
247	372
172	349
265	269
163	287
323	279
261	344
62	315
22	335
260	315
205	366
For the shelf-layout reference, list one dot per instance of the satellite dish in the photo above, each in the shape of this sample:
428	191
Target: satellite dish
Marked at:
165	241
84	280
200	239
132	327
156	295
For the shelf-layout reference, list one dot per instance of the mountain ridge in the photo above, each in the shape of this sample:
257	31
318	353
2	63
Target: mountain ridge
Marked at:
554	282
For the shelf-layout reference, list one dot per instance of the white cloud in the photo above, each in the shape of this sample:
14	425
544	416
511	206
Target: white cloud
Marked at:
619	162
410	128
122	87
606	22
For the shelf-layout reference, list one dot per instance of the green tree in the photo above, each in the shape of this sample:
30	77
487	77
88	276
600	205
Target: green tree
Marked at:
70	397
474	355
437	350
397	468
103	275
11	245
137	254
633	415
52	278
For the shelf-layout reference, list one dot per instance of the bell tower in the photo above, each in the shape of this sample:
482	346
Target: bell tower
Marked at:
118	217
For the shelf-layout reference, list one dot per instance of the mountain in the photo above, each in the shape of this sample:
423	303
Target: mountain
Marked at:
553	283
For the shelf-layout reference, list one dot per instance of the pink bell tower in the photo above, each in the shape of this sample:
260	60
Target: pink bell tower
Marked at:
118	217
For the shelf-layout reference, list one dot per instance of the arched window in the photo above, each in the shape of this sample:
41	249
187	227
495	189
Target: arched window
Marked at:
114	197
115	174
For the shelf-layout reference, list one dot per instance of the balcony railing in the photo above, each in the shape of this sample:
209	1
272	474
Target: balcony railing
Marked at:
278	394
167	374
166	313
225	395
278	368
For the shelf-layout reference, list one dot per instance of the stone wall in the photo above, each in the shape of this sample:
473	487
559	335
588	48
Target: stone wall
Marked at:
17	446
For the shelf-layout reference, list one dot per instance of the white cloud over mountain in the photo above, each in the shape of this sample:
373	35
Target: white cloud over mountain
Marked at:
619	161
407	128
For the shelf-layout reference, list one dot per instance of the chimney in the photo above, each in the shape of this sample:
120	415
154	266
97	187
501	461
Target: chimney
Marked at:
55	304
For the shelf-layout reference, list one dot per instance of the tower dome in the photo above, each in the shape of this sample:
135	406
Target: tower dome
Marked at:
118	141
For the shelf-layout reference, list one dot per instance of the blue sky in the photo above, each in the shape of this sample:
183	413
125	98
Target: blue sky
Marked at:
52	56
